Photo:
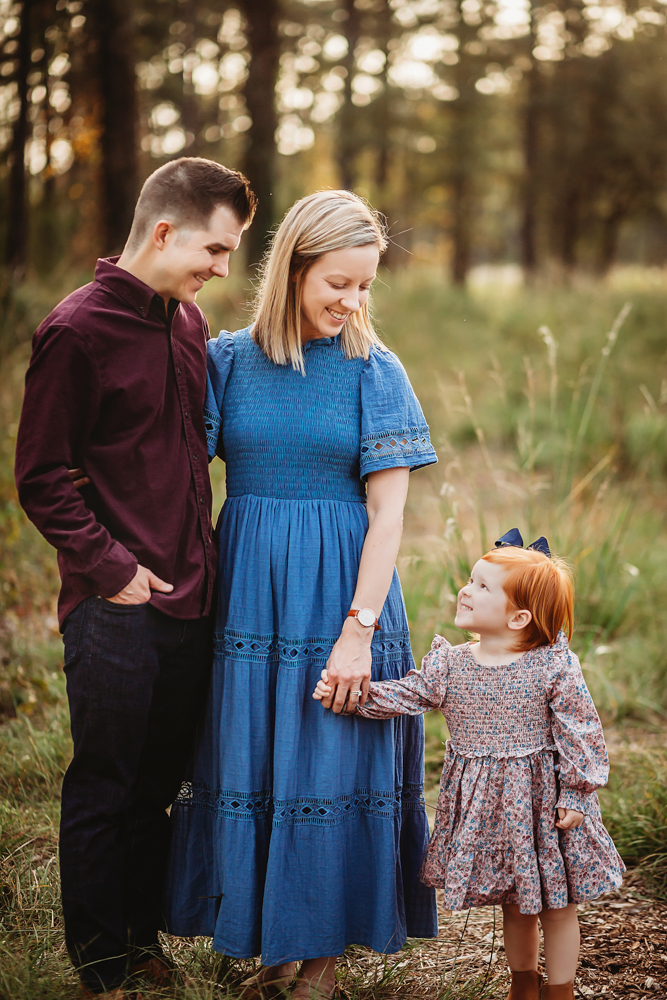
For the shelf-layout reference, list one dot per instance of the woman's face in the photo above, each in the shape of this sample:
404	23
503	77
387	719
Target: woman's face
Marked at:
336	286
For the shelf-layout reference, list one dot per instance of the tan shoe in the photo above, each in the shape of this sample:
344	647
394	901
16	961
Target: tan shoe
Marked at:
563	991
525	986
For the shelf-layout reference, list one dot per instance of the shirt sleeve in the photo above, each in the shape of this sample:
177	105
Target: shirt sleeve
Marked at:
394	432
60	408
418	692
577	732
219	360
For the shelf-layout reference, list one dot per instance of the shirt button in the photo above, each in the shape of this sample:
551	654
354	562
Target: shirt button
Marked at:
195	458
187	416
178	371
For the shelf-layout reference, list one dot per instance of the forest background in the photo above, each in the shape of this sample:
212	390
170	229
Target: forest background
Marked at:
519	152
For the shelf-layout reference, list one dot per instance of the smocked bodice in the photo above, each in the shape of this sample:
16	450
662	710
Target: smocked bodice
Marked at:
539	702
497	711
314	436
286	435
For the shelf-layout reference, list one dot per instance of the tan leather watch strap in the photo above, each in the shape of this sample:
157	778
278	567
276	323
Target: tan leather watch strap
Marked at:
354	613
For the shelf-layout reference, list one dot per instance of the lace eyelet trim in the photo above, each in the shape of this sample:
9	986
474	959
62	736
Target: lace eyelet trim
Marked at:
272	648
212	424
260	805
407	445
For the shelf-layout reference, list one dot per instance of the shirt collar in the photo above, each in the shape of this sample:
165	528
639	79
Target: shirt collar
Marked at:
138	295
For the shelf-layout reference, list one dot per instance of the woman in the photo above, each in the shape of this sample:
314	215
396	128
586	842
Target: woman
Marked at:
302	831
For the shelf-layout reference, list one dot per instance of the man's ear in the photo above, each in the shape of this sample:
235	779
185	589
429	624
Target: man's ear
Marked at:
161	232
519	620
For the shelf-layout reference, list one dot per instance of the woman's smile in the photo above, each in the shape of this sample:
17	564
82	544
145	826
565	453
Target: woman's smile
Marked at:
337	316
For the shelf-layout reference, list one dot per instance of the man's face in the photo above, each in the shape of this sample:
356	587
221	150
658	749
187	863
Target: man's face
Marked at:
189	258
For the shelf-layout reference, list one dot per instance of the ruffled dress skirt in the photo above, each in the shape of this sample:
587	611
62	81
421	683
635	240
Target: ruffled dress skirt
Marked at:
300	831
495	839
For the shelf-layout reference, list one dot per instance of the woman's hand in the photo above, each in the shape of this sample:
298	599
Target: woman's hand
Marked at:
349	668
569	819
78	477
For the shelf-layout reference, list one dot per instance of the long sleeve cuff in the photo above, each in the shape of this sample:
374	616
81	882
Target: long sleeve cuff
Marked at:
113	571
572	798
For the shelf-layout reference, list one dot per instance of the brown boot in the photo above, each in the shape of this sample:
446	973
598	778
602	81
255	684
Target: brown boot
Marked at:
525	986
563	991
158	970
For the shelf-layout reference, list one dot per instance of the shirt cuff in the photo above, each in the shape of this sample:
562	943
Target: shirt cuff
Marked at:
571	798
114	571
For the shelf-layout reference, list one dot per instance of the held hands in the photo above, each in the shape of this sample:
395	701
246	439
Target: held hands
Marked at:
323	689
568	819
347	675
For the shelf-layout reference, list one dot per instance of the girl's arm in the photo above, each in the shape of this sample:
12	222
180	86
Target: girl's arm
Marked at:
349	665
416	693
577	732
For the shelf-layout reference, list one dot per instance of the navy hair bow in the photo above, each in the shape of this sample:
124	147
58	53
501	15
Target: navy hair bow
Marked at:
513	538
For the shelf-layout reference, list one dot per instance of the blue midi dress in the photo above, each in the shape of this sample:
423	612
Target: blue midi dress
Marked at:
299	831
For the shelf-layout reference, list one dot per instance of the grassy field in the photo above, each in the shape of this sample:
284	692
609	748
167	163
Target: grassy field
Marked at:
548	409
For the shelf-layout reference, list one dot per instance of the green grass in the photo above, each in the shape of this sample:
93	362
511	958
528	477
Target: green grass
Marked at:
568	441
635	810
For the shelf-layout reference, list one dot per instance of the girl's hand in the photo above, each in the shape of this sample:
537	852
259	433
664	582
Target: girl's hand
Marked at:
569	819
349	668
323	690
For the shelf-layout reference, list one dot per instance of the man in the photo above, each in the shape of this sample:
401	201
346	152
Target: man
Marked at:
116	387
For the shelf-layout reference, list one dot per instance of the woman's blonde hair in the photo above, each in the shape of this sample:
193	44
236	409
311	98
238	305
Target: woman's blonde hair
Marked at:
315	225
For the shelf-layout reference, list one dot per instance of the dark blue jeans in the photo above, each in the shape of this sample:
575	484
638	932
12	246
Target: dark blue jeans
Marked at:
136	683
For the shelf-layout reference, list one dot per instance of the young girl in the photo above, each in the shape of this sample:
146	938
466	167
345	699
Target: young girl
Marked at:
518	820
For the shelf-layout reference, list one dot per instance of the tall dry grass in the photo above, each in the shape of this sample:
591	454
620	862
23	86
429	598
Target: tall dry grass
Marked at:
549	412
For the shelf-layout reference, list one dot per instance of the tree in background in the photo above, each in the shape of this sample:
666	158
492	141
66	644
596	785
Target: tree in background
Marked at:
17	235
492	131
259	161
112	37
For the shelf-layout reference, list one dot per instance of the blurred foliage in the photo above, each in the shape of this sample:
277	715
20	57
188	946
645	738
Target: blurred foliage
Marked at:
635	809
510	130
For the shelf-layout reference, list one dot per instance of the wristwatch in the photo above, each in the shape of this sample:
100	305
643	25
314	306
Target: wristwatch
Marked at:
365	617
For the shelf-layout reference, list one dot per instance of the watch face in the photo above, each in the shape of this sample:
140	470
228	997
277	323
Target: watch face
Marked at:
366	617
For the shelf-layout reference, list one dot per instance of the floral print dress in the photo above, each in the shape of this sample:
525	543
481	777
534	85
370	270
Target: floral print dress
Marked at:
525	740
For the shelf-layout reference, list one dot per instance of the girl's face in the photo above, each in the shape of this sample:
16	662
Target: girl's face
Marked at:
336	286
482	603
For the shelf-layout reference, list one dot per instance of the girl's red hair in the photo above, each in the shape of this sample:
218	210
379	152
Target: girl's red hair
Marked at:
540	585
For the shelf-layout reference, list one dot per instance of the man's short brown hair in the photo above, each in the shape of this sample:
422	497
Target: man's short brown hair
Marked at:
186	192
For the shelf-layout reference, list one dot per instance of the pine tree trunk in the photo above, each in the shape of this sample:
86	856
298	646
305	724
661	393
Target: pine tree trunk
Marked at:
461	228
530	157
527	234
17	230
117	89
260	158
347	146
463	154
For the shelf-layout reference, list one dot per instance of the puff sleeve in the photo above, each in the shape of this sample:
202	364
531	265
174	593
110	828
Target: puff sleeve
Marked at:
219	360
577	733
418	692
394	432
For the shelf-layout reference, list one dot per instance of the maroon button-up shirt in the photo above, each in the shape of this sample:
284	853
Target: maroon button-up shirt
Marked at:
116	387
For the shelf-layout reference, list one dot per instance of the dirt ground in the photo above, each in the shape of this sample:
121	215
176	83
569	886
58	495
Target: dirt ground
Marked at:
623	954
